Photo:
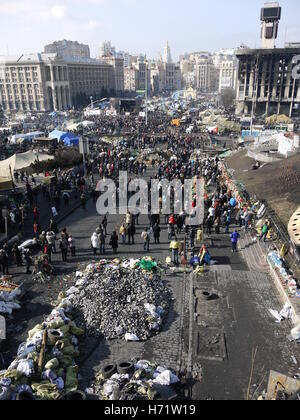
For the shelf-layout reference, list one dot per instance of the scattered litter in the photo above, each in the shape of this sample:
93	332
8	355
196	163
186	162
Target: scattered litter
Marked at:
147	381
287	279
131	337
286	313
166	378
294	360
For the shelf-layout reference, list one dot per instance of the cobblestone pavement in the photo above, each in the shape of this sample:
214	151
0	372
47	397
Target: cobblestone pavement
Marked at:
241	313
164	348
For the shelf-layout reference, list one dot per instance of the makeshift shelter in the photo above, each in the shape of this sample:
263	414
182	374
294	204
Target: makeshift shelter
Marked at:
5	184
19	138
21	161
69	139
85	124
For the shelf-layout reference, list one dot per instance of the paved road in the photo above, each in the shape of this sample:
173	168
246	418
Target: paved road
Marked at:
241	313
165	348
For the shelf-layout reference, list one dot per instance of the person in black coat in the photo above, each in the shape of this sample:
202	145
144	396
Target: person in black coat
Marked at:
131	232
4	261
114	242
156	233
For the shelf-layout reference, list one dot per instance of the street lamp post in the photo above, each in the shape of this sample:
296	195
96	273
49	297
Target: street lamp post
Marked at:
83	149
92	102
146	91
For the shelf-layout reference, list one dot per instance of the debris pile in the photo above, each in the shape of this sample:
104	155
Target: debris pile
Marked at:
286	278
120	299
45	367
9	295
141	380
42	269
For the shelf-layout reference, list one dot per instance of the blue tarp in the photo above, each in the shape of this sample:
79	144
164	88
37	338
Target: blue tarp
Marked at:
69	139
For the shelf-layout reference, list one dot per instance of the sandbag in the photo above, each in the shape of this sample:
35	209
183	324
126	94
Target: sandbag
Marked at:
46	391
71	383
52	364
78	332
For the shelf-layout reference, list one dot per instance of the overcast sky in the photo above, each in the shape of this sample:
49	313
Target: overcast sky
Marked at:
140	26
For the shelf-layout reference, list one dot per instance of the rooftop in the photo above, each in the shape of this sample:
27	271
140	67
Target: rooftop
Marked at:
46	58
293	50
28	58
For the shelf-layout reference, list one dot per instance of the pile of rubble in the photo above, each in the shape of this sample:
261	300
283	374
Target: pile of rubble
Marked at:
140	380
120	299
45	367
43	269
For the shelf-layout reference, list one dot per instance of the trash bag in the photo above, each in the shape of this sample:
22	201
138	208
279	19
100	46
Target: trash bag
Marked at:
166	378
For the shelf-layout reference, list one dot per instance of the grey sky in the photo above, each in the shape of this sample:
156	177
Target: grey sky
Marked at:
139	25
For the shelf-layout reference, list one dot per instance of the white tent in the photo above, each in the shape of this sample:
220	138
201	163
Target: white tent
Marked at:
84	124
19	138
21	161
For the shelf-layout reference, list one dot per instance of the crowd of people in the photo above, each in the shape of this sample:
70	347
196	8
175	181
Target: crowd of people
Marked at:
177	157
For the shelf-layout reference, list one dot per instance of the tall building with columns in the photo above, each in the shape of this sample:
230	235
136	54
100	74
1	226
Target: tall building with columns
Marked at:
46	82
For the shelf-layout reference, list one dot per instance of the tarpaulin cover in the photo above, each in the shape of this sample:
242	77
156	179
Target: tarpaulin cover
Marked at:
21	161
147	265
69	139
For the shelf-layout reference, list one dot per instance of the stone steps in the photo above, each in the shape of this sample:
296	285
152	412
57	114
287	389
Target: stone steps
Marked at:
253	254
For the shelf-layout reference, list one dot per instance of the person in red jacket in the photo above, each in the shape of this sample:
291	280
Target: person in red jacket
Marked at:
36	213
36	229
172	220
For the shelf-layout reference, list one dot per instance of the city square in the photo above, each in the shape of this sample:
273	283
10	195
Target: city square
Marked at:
150	217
